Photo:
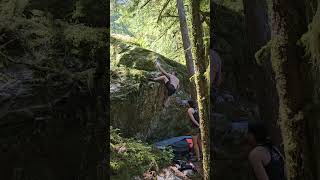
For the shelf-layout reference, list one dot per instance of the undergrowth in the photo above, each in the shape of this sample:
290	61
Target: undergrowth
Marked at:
137	158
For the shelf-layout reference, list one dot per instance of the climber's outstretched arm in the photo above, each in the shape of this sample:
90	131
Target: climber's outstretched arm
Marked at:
162	70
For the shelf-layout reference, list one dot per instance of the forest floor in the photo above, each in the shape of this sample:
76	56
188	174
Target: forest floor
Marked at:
172	173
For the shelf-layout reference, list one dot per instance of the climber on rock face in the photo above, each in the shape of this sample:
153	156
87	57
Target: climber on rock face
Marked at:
171	81
266	160
194	128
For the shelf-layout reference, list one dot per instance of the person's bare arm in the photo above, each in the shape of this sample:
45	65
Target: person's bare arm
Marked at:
178	86
190	113
162	70
257	166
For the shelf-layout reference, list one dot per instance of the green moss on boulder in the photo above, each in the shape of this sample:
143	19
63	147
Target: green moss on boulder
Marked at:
136	103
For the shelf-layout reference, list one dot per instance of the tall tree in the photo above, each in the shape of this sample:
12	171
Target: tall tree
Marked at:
201	86
288	24
213	45
258	34
102	125
186	44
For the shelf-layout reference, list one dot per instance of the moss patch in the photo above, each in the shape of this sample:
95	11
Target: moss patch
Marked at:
137	158
311	40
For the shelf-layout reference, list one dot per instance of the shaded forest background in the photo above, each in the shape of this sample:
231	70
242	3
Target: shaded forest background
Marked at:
53	119
279	72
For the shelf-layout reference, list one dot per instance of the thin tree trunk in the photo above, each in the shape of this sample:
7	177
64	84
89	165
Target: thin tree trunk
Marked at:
201	85
213	46
101	126
288	24
186	45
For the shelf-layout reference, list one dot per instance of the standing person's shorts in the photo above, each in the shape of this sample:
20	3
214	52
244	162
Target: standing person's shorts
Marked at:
194	131
171	89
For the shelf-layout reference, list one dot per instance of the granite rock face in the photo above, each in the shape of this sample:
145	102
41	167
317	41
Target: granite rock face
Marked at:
137	104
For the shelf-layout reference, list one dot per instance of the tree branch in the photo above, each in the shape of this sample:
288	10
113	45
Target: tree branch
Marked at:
8	42
163	8
205	17
169	15
145	4
205	14
165	31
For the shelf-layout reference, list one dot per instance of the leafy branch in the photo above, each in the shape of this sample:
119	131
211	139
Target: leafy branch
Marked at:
163	8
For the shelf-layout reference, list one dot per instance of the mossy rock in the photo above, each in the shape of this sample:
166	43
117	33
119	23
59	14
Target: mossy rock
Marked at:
136	103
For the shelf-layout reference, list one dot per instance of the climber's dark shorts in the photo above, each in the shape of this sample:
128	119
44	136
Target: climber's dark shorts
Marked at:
171	89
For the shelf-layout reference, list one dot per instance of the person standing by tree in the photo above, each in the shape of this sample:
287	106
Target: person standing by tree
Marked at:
194	128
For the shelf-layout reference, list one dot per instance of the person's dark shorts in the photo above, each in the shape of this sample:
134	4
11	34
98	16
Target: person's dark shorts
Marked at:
194	131
171	89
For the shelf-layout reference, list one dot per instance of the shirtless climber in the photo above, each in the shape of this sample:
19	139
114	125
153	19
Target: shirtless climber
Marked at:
171	81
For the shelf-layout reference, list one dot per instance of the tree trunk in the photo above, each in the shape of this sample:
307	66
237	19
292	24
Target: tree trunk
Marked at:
186	45
213	46
102	124
288	24
258	34
256	17
313	125
201	85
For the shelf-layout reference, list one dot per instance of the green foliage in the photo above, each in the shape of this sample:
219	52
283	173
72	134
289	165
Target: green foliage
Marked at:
32	35
138	157
84	41
155	25
22	36
91	12
11	8
311	40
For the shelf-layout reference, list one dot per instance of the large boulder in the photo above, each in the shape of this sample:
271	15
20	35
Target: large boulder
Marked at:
51	124
136	103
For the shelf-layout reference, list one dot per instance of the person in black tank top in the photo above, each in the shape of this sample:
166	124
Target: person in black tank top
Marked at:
266	160
194	128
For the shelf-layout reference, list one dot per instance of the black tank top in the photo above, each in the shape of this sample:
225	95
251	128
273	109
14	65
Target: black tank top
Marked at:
275	168
196	117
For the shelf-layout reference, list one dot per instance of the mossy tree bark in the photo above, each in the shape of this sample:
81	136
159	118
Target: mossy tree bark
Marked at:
313	49
288	24
213	45
201	86
258	34
102	125
186	45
